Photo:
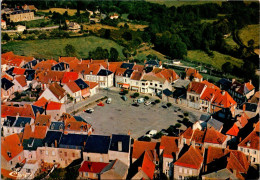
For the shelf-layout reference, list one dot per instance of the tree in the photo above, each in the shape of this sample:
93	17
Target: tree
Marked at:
127	36
169	104
227	67
113	54
136	94
107	34
6	37
177	125
146	97
70	50
157	101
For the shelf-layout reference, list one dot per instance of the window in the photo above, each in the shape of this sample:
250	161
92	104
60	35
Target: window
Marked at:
101	159
241	149
88	158
185	171
151	84
73	154
248	150
46	153
253	159
156	85
86	173
65	154
254	152
160	85
41	151
180	177
190	172
136	83
53	153
180	170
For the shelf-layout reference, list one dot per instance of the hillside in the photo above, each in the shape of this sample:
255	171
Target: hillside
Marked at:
53	48
250	32
177	3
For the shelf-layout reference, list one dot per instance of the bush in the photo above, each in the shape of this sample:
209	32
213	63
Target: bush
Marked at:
25	32
157	101
146	138
169	104
185	120
158	135
177	125
146	97
42	36
6	37
136	94
186	114
125	91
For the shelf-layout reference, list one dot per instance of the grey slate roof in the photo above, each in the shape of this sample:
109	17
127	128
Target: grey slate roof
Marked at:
215	123
125	139
180	83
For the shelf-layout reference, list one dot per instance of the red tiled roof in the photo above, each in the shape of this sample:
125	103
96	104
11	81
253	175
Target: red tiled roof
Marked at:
73	86
91	84
68	59
210	85
38	133
169	146
21	80
169	74
92	167
25	111
233	131
136	75
8	55
6	173
120	71
148	166
194	73
43	120
207	94
40	102
256	127
72	124
196	87
187	133
139	147
138	67
98	61
249	86
190	159
114	65
47	76
69	76
7	77
57	90
18	71
213	136
214	153
198	136
251	141
53	106
44	65
222	99
11	144
15	62
2	20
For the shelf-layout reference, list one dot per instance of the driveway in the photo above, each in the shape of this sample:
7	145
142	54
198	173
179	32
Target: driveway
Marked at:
120	117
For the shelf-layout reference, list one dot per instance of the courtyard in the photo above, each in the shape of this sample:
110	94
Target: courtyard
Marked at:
120	117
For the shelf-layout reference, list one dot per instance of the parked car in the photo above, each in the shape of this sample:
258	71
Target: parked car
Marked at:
164	132
140	100
90	110
124	98
151	133
147	103
135	104
108	100
101	104
164	106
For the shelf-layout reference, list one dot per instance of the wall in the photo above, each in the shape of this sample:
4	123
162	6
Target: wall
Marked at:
95	157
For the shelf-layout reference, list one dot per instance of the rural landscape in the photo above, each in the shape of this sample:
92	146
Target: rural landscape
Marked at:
149	89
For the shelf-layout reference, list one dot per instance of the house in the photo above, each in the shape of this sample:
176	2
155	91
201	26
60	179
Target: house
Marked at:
21	15
232	133
29	170
29	7
15	62
194	92
193	74
255	98
42	120
139	147
54	93
49	152
119	81
68	59
3	24
44	78
241	92
45	65
60	67
7	88
96	148
84	88
11	151
73	26
225	164
70	147
142	168
120	148
57	126
55	110
93	87
73	90
153	63
91	170
15	124
20	83
69	76
250	146
114	16
190	163
251	109
242	119
170	148
105	78
20	28
135	83
115	170
75	124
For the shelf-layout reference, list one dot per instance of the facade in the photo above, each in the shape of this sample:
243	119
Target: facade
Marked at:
54	93
21	15
3	24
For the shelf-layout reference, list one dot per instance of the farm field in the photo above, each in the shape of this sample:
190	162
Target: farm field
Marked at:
71	12
250	32
132	26
177	3
216	61
53	48
231	42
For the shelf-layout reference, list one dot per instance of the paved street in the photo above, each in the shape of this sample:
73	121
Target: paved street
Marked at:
120	117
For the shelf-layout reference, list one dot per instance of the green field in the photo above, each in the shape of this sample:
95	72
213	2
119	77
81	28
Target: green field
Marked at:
231	42
250	32
53	48
177	3
38	23
216	61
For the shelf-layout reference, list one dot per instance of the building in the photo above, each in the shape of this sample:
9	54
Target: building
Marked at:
194	92
54	93
7	88
3	24
20	83
21	15
115	170
193	75
91	170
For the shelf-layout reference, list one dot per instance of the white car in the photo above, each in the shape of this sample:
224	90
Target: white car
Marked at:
90	110
109	100
140	100
147	103
151	133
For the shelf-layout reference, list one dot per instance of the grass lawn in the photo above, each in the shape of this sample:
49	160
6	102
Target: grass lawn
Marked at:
231	42
142	55
53	48
132	26
216	61
37	23
250	32
177	3
208	21
97	27
71	12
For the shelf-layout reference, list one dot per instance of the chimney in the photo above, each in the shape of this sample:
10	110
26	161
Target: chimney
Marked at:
250	81
244	107
120	146
33	127
91	60
233	80
56	143
160	63
17	115
223	93
193	143
145	61
235	172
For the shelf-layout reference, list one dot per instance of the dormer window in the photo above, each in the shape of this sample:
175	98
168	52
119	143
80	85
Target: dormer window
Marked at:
37	124
68	126
61	127
52	126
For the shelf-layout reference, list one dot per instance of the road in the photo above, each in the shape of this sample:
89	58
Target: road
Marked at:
31	29
121	117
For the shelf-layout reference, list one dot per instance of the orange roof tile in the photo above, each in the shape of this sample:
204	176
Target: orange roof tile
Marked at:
148	166
190	159
57	90
43	120
251	141
25	111
249	86
98	61
120	71
194	73
207	94
210	85
233	131
139	147
214	153
169	146
53	106
196	87
8	55
68	59
18	71
138	67
15	62
114	65
41	102
136	75
39	132
11	144
198	136
44	65
213	136
46	77
187	133
73	125
21	80
7	77
222	99
6	173
169	74
73	86
69	76
91	84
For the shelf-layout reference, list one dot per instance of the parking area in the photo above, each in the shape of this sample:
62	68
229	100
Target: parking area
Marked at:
121	117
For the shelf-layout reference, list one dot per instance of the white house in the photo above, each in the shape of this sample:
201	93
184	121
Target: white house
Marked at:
20	83
54	93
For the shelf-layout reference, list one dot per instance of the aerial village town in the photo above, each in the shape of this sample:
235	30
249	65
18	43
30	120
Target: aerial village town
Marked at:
80	118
